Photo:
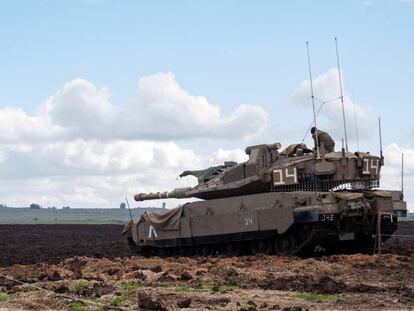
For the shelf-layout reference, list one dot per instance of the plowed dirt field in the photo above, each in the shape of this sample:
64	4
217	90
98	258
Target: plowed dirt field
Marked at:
87	267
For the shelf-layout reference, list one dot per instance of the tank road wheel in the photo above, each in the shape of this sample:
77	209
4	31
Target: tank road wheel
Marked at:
259	247
365	244
163	252
214	250
203	250
183	252
232	249
146	252
285	244
303	233
131	245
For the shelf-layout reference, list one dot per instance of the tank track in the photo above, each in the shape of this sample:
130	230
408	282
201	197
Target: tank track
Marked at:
300	240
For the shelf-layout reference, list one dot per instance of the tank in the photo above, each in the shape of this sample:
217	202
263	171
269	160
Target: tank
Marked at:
283	202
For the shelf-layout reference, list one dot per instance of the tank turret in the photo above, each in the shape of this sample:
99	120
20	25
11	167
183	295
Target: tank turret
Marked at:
296	168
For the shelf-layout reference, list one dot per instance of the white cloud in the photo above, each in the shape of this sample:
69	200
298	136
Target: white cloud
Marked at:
222	155
82	150
391	172
16	125
161	109
326	88
93	173
82	109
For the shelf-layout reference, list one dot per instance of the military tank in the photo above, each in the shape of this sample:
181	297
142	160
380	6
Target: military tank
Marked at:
277	202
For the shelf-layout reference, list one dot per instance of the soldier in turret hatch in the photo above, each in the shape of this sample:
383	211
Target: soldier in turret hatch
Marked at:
324	138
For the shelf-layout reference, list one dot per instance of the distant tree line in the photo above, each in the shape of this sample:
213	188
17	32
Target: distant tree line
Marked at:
37	206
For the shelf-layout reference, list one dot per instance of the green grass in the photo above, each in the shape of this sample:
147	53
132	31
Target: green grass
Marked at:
126	286
189	290
167	284
77	305
82	284
316	297
117	301
4	297
95	302
227	288
203	288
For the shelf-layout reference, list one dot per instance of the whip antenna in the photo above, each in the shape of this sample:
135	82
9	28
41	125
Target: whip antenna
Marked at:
380	136
402	173
342	96
356	121
129	208
313	102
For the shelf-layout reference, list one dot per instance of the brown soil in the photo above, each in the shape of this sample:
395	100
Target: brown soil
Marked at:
26	244
105	274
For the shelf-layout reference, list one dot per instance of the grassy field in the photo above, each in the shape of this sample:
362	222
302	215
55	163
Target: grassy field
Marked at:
70	216
410	217
79	215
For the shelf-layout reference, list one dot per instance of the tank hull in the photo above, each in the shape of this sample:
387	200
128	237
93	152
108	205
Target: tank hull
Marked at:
284	223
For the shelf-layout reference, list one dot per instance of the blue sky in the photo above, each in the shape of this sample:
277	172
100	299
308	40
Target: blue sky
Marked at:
230	52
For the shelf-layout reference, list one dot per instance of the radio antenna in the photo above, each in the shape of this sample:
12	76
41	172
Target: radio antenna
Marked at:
402	173
313	102
342	96
380	136
356	121
129	208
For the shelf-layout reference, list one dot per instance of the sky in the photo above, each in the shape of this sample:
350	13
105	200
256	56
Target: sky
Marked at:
102	99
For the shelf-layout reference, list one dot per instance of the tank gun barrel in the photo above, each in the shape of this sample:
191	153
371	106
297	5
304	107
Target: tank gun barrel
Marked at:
178	193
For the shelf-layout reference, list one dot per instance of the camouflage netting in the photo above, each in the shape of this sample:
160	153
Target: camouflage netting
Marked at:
204	175
168	220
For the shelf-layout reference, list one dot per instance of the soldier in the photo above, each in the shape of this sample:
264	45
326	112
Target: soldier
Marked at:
324	138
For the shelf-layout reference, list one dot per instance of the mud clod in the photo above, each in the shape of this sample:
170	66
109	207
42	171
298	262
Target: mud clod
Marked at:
147	303
138	275
252	303
215	289
61	289
327	285
294	309
156	269
248	308
165	277
112	271
185	276
100	289
185	303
